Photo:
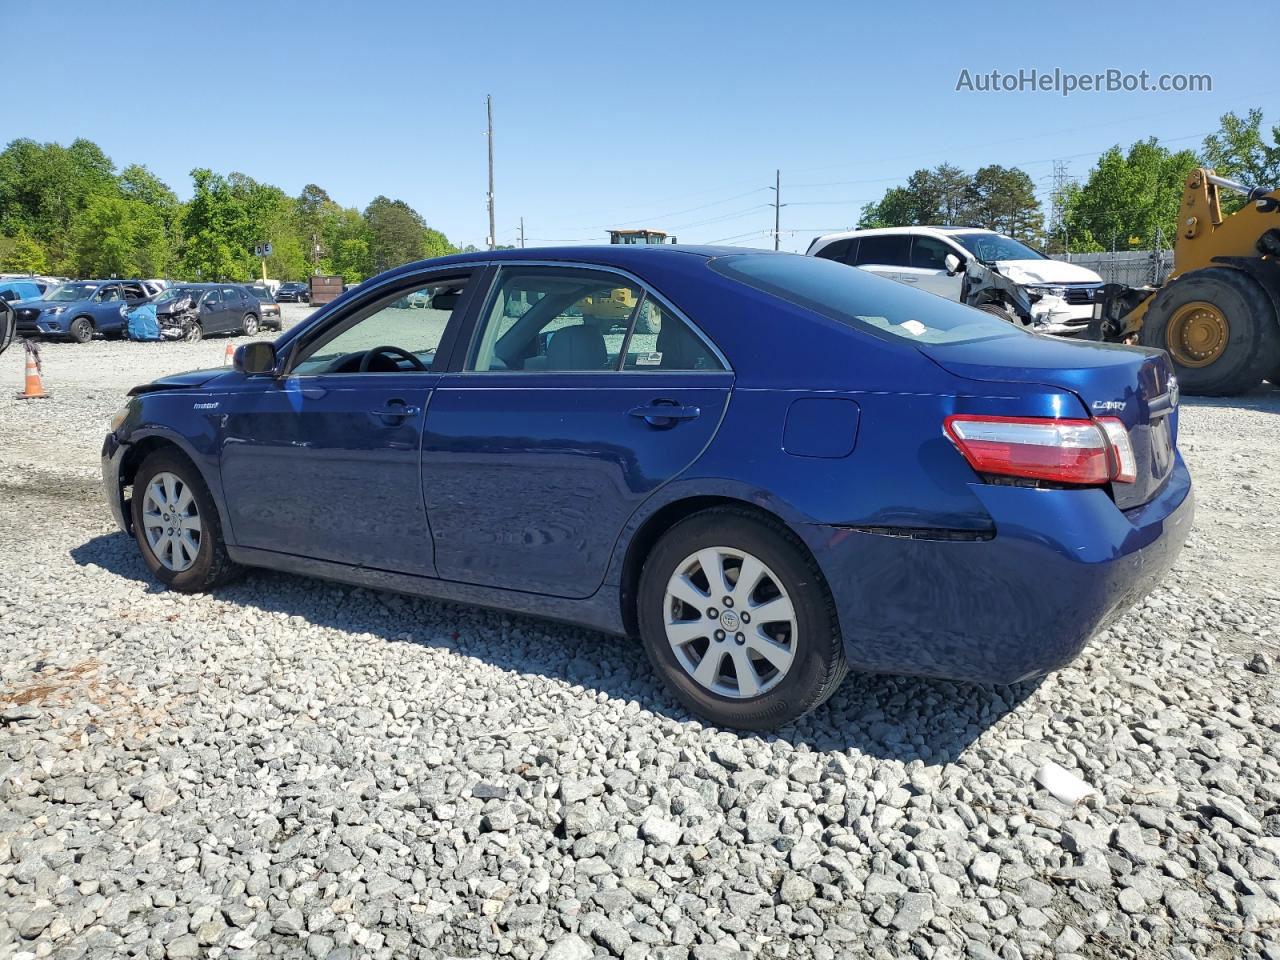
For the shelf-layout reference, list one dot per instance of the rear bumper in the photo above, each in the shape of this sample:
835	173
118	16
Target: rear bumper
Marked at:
1060	565
113	452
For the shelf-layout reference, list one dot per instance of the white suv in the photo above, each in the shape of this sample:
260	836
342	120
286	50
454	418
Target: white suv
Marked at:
982	268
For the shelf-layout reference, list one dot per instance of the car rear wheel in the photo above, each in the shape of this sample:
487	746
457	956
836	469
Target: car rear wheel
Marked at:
250	324
736	619
81	330
176	525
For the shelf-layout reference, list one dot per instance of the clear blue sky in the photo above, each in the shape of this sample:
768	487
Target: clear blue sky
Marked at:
665	114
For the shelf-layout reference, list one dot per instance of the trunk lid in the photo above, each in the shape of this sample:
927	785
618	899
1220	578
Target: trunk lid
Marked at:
1132	384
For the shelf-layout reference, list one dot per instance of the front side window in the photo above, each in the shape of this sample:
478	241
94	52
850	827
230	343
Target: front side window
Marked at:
213	299
862	300
929	253
109	294
387	337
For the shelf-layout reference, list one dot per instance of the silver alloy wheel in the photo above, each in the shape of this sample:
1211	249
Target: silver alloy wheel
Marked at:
250	324
730	622
171	521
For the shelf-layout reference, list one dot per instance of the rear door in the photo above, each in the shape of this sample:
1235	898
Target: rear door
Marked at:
561	422
886	254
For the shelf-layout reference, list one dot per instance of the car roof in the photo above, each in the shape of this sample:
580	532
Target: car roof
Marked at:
624	256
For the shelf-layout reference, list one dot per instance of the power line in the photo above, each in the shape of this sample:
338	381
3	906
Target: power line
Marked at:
493	231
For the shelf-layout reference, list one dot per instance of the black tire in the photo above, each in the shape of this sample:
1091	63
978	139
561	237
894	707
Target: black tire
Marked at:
1001	311
819	665
1253	336
249	324
81	330
195	333
212	566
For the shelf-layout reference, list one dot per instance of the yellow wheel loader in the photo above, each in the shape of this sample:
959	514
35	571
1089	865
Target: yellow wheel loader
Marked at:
1218	313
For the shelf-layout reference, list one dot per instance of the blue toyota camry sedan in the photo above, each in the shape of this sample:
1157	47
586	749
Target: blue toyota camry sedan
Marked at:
770	469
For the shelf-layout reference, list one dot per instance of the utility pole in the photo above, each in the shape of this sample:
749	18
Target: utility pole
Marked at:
777	207
493	232
522	233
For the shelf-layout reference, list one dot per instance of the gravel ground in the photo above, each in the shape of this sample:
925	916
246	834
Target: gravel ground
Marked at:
296	768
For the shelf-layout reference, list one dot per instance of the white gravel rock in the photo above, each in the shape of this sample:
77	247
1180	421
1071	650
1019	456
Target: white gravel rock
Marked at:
296	768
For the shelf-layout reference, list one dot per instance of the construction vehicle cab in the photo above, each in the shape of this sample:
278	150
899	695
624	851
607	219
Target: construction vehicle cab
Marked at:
643	237
1218	313
617	306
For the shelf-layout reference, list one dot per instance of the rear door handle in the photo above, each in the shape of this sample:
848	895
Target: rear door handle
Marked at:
395	411
664	413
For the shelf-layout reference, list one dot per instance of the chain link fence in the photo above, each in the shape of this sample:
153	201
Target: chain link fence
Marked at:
1133	268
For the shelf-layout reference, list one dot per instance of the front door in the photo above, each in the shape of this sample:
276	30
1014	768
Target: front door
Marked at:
212	312
570	411
929	268
323	461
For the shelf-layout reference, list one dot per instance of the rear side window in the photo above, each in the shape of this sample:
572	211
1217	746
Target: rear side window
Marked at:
863	301
885	250
841	251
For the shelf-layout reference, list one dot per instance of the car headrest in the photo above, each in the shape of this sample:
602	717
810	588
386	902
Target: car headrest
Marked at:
577	348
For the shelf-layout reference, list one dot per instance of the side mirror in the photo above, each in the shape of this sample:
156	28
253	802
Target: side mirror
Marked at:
953	264
255	359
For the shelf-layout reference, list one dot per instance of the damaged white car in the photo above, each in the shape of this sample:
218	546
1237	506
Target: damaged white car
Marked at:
982	268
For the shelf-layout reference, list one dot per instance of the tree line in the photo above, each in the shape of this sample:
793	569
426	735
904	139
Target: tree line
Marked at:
1128	201
66	210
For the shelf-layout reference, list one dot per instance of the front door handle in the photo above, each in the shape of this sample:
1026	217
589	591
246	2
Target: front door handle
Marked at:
664	413
395	411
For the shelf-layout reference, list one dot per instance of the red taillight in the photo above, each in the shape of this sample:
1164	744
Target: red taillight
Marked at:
1061	451
1126	465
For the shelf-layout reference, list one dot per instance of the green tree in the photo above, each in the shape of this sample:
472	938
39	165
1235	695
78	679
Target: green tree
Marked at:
937	196
1004	199
345	237
218	234
1130	199
397	233
45	187
120	237
24	255
1239	150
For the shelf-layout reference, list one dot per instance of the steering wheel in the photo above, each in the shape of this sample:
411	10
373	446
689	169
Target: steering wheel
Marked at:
390	352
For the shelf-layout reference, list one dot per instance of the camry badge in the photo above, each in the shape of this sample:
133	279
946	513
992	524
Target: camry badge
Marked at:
1108	404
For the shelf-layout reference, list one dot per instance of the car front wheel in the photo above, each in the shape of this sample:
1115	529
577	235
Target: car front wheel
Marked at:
735	617
81	330
177	526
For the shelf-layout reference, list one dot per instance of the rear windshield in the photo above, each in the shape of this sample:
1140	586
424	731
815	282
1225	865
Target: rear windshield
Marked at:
861	300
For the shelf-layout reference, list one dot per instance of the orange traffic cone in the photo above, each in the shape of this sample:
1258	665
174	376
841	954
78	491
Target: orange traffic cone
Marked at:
34	388
229	355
